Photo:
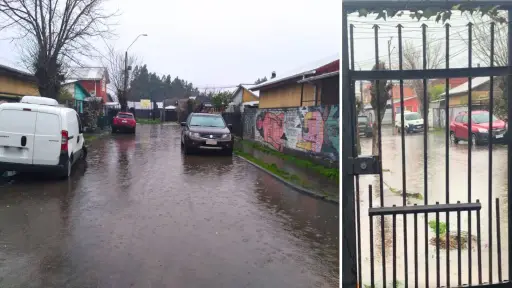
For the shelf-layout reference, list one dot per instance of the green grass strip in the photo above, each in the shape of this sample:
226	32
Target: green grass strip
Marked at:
271	167
149	121
330	173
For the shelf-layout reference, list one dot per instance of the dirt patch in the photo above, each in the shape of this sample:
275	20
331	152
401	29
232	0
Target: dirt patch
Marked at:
453	241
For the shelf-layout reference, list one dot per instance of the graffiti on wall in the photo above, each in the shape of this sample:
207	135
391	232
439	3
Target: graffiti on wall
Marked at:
310	129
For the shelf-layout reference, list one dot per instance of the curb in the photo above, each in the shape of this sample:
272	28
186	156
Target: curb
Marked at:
289	184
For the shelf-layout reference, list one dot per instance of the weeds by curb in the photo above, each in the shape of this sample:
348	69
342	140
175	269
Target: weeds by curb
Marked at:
330	173
283	176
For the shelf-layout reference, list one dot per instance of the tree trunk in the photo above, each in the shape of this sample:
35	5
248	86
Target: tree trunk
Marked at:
48	76
375	139
375	130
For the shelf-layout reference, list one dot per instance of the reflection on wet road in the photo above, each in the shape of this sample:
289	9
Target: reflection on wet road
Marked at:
141	214
458	191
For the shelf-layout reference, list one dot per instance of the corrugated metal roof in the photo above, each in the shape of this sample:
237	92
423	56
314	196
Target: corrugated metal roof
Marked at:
477	81
86	73
425	3
302	70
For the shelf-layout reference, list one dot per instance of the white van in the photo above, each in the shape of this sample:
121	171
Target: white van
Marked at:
38	135
413	122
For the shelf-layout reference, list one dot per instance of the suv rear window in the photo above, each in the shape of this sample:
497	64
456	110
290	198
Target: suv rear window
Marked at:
125	116
207	121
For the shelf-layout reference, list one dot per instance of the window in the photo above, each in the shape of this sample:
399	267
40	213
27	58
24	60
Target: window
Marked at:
79	123
207	121
482	118
465	118
412	116
458	119
125	116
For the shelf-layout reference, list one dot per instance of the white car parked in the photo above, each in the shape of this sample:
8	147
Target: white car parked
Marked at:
412	122
38	135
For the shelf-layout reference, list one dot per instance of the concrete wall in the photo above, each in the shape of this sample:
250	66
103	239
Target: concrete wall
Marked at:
311	130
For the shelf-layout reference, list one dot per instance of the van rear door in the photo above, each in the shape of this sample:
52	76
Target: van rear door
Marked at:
48	139
17	126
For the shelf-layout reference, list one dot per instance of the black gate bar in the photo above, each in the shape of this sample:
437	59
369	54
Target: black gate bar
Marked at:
430	73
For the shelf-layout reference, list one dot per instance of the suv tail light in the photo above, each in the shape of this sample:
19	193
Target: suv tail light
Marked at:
64	140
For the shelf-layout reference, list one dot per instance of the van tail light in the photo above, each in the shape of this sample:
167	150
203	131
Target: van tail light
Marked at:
64	140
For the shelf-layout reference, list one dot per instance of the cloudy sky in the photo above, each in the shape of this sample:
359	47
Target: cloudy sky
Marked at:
364	43
223	42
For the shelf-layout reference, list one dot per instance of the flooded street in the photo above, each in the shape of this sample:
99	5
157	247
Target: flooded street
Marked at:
436	192
141	214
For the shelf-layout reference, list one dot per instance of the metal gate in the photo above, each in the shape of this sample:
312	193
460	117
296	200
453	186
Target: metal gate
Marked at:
444	267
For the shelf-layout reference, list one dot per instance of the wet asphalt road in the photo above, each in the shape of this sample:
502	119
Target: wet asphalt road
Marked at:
436	192
139	213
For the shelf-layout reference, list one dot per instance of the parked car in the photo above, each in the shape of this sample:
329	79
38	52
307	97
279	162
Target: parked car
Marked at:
124	121
480	126
36	135
365	126
204	131
413	122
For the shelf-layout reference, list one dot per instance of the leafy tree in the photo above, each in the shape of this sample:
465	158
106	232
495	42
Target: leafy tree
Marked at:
259	81
434	92
221	100
64	96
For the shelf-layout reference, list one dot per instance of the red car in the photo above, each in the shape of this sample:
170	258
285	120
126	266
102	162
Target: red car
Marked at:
124	121
480	127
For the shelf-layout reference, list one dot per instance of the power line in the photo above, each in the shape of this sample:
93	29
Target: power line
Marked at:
419	46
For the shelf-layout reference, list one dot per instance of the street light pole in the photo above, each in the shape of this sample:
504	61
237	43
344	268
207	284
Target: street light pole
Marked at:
125	84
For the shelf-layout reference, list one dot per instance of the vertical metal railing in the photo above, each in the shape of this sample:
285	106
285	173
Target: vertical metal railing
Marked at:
436	210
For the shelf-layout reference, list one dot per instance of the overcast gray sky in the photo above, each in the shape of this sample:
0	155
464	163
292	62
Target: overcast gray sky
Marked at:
222	42
364	43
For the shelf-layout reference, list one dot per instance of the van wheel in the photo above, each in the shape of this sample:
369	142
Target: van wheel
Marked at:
67	170
84	152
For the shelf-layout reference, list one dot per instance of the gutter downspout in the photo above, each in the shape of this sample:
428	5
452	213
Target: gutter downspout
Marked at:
302	91
316	94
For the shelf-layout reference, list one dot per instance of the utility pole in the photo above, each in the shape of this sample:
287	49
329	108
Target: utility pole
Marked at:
125	84
392	102
126	68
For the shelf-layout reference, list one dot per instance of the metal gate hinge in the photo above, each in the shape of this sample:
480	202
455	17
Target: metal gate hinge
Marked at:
364	165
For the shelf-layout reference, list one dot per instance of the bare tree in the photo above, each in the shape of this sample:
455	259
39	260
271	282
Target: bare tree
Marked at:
114	61
413	59
381	93
56	31
482	51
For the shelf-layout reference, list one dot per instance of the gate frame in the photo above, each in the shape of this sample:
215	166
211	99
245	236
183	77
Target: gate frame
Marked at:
350	266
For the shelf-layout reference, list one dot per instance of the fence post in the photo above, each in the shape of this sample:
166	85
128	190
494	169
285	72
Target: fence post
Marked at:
348	226
509	146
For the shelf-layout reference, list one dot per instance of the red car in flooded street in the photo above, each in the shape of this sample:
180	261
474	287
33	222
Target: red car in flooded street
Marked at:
480	127
124	121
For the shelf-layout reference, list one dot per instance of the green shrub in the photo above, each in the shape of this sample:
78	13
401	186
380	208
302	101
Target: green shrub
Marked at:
433	226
